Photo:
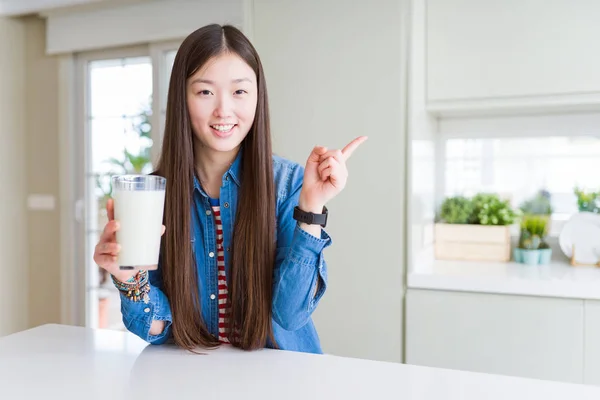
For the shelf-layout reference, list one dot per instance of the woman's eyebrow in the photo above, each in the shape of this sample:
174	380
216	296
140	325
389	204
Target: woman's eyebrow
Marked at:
209	82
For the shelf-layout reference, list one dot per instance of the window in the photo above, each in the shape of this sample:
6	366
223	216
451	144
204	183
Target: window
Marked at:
124	92
120	108
519	167
518	156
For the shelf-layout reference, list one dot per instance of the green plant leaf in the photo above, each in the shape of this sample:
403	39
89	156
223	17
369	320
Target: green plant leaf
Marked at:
489	209
456	210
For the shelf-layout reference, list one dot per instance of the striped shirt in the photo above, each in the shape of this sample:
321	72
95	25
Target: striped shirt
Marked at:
224	307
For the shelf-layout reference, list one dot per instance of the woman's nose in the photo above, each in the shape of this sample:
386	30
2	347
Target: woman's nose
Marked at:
223	107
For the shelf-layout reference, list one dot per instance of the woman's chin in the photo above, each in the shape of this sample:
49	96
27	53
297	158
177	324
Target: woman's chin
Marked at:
225	146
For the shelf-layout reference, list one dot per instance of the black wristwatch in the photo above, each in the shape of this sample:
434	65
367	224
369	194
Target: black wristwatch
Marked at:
311	218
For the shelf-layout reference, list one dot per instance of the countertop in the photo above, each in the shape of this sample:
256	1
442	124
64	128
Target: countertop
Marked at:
64	362
557	279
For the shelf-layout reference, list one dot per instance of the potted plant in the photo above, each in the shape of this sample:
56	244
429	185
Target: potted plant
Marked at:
474	229
540	204
587	201
533	248
489	209
456	210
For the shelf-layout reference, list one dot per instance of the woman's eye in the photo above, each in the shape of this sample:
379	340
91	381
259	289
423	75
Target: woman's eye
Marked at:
241	91
205	92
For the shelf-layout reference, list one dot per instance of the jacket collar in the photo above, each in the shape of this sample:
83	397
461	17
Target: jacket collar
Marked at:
234	172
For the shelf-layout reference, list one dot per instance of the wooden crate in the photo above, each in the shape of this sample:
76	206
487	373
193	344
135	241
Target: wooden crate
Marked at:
472	242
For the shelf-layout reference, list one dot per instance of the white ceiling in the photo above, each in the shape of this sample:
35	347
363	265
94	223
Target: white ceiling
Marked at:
21	7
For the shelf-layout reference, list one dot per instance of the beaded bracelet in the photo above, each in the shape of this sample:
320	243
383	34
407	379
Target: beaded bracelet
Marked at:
135	288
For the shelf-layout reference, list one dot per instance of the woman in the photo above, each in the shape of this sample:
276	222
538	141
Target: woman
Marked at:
242	252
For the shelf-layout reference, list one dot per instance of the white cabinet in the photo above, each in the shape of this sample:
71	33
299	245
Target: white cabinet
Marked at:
489	49
592	342
531	337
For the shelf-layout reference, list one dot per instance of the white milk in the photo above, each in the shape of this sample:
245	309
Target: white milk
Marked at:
140	216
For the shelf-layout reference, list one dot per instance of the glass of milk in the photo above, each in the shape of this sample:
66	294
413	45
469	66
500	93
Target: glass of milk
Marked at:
138	204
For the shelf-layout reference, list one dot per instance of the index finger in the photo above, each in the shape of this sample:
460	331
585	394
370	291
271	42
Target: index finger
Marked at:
110	209
108	234
353	145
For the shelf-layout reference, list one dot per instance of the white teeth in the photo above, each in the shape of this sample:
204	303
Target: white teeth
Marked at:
223	128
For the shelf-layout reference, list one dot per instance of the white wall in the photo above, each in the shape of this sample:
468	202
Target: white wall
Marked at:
42	149
143	22
13	179
335	71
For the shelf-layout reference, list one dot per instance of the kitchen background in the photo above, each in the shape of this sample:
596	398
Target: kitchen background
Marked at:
468	236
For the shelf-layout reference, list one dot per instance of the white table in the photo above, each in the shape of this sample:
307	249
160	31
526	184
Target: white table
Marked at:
62	362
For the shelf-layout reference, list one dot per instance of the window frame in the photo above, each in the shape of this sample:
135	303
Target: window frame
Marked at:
83	304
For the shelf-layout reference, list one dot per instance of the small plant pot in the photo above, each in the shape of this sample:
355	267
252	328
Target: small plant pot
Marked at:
545	256
518	255
530	257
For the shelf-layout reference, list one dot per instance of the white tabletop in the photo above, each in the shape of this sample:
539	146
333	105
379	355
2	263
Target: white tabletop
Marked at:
62	362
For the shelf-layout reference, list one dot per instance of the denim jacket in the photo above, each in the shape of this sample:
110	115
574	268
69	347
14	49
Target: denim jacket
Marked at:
299	265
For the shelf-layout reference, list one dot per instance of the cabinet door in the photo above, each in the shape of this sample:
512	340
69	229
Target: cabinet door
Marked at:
489	49
592	342
511	335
